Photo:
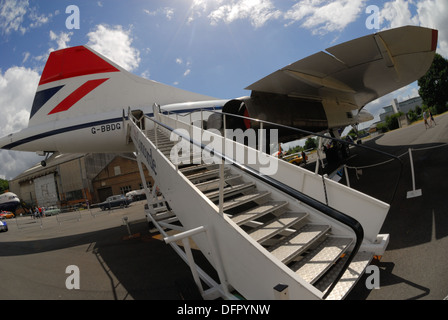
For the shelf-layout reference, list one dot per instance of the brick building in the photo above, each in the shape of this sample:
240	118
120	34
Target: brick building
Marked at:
120	176
70	179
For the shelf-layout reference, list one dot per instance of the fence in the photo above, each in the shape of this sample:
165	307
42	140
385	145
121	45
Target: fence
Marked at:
418	159
28	221
68	216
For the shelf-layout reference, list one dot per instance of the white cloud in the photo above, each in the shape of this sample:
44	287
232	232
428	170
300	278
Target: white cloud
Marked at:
61	40
146	74
116	44
429	13
37	19
12	15
13	163
258	12
397	13
323	16
26	55
17	88
433	14
166	11
320	16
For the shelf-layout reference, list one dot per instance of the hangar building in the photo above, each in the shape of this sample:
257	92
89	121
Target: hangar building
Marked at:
71	179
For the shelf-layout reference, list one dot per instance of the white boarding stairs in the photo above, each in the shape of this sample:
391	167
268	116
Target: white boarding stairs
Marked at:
263	241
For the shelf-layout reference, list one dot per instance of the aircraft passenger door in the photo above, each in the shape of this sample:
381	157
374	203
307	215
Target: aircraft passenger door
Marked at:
140	116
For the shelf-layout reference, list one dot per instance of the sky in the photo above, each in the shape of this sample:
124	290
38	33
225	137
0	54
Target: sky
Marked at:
212	47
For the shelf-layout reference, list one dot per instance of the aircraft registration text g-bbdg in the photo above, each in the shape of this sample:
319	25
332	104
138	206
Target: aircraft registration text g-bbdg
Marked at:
106	128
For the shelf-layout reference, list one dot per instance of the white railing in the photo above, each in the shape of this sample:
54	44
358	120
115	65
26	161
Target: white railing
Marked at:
370	212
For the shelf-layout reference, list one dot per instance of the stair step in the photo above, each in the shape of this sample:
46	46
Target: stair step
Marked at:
165	147
350	277
190	169
298	242
164	142
206	175
316	263
163	215
231	190
276	226
234	203
214	184
190	159
258	211
160	137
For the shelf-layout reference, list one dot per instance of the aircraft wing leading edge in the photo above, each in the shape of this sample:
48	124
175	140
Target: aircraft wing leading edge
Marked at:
358	71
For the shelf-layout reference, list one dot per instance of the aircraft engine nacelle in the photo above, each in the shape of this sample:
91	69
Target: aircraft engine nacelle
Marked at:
292	112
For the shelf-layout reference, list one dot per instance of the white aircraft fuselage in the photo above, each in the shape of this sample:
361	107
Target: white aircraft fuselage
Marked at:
9	201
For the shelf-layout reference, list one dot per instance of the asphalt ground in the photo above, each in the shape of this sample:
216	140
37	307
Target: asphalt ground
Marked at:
415	265
113	263
35	254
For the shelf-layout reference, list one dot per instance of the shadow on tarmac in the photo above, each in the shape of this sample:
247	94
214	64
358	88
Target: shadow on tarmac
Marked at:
410	221
146	267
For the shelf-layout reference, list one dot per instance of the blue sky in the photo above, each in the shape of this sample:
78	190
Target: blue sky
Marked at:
213	47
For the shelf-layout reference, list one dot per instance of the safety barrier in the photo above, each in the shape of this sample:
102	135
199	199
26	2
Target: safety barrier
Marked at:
411	154
68	216
26	222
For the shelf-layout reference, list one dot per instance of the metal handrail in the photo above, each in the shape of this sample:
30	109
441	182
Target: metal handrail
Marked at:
310	133
325	209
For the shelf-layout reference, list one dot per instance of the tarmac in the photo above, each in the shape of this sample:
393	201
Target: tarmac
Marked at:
115	262
415	264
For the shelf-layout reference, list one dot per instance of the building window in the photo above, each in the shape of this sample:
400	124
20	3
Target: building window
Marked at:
117	170
124	190
74	195
148	185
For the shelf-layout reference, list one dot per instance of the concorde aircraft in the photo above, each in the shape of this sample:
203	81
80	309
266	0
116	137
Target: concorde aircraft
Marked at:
9	201
81	97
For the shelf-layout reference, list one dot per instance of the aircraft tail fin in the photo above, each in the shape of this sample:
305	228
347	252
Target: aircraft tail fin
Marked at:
78	82
68	77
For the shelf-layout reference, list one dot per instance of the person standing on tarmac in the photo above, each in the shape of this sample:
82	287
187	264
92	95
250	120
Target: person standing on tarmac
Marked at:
432	118
425	118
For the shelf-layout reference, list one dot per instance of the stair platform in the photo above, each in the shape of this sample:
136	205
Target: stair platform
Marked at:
350	277
316	263
298	242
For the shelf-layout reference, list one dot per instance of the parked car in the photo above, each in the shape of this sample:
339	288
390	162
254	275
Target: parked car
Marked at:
3	226
6	215
114	201
136	195
52	211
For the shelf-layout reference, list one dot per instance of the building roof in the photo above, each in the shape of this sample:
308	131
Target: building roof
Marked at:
51	167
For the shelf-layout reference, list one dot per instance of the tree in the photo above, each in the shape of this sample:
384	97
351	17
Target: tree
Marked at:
413	116
392	122
434	85
4	185
310	144
382	127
